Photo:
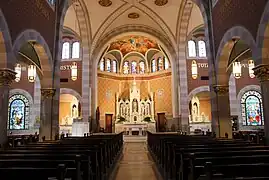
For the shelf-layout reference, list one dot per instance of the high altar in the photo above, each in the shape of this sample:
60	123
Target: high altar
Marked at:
134	112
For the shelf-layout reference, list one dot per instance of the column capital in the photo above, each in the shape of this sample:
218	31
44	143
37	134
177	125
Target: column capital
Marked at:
7	76
221	90
48	92
262	72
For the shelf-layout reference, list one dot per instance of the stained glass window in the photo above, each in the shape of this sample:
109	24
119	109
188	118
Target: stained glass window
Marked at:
191	48
160	64
126	67
75	50
142	67
18	113
108	65
102	64
134	66
153	65
51	2
114	66
66	50
251	107
202	48
166	63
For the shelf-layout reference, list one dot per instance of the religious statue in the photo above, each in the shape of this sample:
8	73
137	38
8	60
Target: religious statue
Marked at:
74	111
135	106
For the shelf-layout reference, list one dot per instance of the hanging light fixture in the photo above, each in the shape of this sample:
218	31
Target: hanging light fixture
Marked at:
31	73
18	72
194	69
237	70
74	71
251	65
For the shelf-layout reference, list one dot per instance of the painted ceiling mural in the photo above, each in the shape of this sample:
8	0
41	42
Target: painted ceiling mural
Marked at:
133	43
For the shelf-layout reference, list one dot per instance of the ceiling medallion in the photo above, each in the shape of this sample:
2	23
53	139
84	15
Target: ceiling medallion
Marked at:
105	3
133	15
161	2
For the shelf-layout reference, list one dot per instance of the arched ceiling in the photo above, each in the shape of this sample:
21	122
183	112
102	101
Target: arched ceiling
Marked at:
164	19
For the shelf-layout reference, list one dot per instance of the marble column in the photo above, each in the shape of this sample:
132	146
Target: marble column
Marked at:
221	123
6	78
262	73
46	118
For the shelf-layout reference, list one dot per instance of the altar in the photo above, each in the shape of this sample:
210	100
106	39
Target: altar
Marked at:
135	115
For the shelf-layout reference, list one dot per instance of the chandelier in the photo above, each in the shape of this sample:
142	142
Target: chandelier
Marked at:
237	70
17	69
194	70
74	71
251	65
31	73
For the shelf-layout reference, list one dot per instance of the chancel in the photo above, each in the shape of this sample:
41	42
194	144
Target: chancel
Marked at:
134	89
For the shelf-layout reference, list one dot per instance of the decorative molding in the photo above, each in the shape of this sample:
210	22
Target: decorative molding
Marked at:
105	3
221	90
262	72
7	76
161	2
47	92
133	15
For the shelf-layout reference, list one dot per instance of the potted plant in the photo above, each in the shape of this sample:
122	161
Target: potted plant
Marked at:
121	119
147	119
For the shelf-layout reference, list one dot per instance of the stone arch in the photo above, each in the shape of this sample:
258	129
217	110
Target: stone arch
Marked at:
232	96
31	104
198	90
86	38
239	110
6	54
71	92
182	30
42	50
124	30
225	48
262	38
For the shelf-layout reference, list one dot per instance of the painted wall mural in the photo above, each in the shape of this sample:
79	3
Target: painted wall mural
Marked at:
134	43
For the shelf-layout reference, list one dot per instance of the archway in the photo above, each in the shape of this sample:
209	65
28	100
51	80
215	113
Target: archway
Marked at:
200	110
136	83
69	109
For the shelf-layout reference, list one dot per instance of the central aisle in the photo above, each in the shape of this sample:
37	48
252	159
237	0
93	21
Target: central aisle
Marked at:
136	163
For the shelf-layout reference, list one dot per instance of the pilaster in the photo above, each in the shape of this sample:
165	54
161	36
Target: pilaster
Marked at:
6	78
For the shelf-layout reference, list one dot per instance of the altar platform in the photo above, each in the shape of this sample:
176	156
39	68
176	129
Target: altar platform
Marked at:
133	138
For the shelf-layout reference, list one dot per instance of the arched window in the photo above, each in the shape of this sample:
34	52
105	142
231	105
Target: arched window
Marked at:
142	67
251	108
153	65
202	48
191	48
66	50
160	63
126	67
134	67
75	50
114	66
102	64
166	63
51	2
18	113
108	65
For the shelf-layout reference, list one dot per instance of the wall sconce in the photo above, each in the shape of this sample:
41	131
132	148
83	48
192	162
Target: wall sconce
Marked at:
18	72
31	73
251	65
237	70
74	71
194	70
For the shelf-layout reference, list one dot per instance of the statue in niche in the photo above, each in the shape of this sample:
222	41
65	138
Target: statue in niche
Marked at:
194	111
135	105
74	111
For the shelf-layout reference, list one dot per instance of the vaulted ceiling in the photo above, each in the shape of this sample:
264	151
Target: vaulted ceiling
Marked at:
163	16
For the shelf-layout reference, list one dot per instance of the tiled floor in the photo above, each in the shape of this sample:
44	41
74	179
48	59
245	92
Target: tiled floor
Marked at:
136	163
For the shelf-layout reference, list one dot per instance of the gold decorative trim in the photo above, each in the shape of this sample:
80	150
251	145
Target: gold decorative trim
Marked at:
48	92
105	3
161	2
221	89
262	72
133	15
7	76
